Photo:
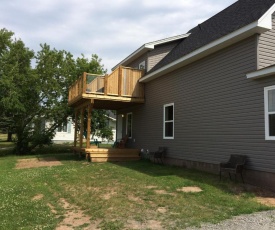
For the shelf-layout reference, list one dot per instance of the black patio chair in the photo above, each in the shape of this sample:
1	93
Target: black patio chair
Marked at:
234	165
159	155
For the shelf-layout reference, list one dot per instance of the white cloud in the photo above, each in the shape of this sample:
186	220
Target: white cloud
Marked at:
111	29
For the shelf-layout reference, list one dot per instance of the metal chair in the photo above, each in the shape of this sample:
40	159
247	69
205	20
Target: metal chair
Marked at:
159	155
233	166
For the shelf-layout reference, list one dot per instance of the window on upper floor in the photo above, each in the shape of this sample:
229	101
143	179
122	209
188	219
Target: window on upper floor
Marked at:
269	102
168	121
141	65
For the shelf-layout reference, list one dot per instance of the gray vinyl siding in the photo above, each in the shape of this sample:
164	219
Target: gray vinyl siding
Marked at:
159	53
135	63
218	111
266	47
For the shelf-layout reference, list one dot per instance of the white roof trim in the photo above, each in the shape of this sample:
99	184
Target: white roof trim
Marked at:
261	73
260	26
149	46
109	117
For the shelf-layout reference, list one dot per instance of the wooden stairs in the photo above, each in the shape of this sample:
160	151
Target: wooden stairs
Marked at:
104	155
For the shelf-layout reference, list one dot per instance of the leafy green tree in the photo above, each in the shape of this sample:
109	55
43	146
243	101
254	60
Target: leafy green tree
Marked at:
92	65
32	95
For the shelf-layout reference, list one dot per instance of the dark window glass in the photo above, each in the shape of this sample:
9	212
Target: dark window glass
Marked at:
271	124
169	129
169	113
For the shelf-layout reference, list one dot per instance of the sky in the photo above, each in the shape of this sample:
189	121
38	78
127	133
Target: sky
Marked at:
112	29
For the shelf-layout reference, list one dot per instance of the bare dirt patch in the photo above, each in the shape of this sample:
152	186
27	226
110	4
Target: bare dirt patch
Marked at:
52	208
266	201
262	195
265	197
162	210
190	189
150	224
151	186
108	195
135	199
75	218
38	197
37	162
163	192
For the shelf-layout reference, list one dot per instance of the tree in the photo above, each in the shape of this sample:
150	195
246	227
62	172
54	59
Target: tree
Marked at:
32	95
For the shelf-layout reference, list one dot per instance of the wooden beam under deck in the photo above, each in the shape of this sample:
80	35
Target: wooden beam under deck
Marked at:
105	102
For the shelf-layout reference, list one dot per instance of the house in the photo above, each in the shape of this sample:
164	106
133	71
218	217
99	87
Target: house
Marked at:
65	132
209	95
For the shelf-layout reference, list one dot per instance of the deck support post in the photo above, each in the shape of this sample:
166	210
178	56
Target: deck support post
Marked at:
76	128
81	127
89	125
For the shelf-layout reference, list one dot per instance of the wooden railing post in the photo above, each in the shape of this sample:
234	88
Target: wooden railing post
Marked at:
105	84
84	82
119	81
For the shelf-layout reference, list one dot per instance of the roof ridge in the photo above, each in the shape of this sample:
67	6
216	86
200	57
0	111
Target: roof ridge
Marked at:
218	26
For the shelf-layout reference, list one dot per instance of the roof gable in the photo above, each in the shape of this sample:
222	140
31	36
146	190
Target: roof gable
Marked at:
148	46
240	14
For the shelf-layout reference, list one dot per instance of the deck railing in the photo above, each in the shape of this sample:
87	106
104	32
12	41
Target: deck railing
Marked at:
122	82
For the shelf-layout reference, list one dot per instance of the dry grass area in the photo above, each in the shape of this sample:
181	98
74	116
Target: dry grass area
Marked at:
37	162
63	192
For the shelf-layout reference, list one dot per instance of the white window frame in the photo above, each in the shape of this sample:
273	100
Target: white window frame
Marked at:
164	122
142	64
64	124
267	136
127	117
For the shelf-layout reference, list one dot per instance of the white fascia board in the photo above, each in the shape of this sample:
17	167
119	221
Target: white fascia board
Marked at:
148	46
261	73
259	26
143	49
266	19
169	39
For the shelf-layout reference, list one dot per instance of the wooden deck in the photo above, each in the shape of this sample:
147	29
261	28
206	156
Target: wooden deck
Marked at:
108	154
119	89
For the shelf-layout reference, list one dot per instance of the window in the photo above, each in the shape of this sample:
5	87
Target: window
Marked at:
269	100
141	65
168	121
129	120
64	127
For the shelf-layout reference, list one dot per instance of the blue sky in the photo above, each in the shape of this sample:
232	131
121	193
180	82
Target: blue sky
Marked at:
110	29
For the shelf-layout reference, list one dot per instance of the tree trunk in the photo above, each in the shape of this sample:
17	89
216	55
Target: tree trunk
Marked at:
9	139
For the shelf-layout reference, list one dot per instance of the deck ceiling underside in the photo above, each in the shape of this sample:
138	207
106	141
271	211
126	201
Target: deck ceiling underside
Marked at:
105	104
112	105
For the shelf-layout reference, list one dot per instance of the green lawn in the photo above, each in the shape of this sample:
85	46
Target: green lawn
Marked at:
115	195
3	141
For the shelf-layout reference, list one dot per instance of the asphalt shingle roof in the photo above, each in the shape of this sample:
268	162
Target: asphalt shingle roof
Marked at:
234	17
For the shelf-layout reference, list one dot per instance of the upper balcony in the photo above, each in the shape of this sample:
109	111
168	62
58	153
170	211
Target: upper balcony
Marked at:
119	89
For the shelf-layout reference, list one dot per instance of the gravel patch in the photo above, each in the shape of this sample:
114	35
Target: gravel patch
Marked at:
256	221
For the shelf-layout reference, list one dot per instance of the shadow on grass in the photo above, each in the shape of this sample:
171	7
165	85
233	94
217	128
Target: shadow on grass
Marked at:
193	177
58	151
